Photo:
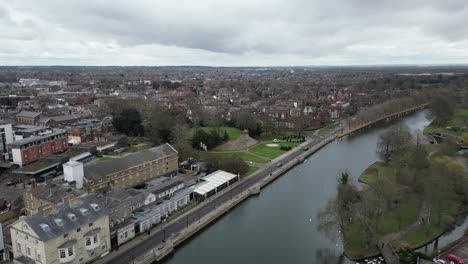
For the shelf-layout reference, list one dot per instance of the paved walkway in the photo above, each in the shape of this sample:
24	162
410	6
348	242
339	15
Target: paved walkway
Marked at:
385	243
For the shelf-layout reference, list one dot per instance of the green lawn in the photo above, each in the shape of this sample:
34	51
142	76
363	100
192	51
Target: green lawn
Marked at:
459	119
405	214
271	152
328	128
251	170
233	133
242	155
430	231
368	176
430	147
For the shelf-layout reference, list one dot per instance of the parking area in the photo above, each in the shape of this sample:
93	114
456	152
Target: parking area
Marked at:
460	251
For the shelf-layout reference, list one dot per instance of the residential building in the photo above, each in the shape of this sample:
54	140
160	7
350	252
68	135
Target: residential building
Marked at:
55	121
77	232
28	117
6	137
119	205
30	149
132	169
24	131
43	197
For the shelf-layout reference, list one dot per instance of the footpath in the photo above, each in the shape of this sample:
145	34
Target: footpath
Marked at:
162	250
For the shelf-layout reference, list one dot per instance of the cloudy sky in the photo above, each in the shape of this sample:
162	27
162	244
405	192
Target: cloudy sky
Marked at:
233	33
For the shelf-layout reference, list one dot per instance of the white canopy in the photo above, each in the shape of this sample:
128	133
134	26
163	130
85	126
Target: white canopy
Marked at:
213	181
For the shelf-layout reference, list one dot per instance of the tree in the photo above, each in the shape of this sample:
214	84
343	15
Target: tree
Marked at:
128	121
185	150
441	110
233	164
393	141
163	126
247	120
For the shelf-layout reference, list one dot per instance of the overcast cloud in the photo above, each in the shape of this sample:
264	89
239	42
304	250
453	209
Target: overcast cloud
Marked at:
233	33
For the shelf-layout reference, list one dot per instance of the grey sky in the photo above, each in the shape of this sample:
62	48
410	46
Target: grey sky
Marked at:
233	33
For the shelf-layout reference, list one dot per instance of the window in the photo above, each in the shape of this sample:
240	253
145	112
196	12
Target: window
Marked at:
62	253
125	235
28	251
95	239
78	229
90	224
38	255
70	251
65	235
88	241
18	246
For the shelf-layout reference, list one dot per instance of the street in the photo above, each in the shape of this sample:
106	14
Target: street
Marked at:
209	205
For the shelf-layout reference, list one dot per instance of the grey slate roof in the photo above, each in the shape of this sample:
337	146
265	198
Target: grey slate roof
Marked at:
28	114
99	170
55	230
165	185
54	192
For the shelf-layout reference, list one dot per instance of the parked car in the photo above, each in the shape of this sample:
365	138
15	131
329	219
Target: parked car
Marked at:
439	261
453	258
279	164
305	148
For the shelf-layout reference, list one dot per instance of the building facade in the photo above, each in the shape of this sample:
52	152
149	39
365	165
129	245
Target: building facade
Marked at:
6	137
132	169
75	233
30	149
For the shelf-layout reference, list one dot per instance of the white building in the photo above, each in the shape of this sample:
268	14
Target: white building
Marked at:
6	137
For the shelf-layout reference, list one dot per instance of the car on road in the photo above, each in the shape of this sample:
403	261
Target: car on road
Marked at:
305	148
439	261
455	259
279	164
13	182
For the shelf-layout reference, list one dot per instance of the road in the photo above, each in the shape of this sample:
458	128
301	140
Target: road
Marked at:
208	206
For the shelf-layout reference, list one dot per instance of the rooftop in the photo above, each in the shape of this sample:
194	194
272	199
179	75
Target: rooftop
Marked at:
28	114
36	167
69	218
101	169
18	143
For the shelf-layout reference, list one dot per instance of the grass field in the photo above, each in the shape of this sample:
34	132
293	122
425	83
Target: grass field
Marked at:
328	128
271	152
405	214
250	171
369	175
459	119
428	232
242	155
233	133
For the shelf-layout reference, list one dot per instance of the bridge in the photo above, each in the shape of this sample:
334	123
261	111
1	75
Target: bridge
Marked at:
359	127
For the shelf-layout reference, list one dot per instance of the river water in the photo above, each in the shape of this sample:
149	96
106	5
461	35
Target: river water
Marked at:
279	225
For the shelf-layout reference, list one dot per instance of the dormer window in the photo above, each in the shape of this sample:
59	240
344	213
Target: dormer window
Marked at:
95	207
84	211
44	227
71	216
58	221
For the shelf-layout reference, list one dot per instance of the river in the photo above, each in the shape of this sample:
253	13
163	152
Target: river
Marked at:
279	225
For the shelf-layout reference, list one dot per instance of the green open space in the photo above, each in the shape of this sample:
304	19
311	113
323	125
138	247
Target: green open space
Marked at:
405	214
459	120
370	174
328	128
430	147
233	132
251	170
242	155
272	152
434	228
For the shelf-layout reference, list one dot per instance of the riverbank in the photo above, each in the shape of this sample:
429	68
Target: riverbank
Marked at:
162	250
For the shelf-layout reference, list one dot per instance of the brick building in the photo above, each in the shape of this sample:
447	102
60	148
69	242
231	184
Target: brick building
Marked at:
132	169
30	149
28	117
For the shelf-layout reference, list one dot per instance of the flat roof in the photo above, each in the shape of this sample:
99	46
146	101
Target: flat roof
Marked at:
31	139
36	167
213	181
